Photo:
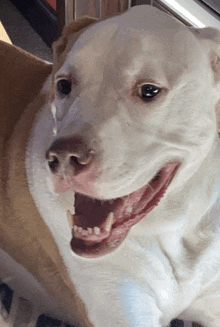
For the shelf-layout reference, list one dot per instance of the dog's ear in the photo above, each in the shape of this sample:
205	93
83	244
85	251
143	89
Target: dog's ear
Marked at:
69	34
210	38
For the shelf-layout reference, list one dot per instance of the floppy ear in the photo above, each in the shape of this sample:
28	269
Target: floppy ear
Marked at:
70	33
210	38
64	44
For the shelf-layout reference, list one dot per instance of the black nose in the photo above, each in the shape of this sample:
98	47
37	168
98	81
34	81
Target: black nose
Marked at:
70	153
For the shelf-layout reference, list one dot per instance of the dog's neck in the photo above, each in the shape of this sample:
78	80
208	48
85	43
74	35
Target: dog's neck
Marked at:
201	225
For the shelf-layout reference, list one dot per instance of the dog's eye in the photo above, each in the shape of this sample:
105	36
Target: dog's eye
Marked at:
64	86
148	91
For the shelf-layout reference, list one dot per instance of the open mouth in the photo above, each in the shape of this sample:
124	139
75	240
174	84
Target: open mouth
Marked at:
100	226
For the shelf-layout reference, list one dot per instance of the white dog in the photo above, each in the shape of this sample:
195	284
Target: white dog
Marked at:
126	146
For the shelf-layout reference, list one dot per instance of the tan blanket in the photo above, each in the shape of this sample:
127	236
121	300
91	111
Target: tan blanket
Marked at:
23	234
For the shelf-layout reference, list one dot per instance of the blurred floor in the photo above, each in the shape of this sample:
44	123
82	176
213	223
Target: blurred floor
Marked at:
21	33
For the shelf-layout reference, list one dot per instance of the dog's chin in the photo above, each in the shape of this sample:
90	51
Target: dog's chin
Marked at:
99	227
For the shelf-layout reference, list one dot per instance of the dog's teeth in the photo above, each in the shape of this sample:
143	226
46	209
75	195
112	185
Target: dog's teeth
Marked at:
129	210
96	230
70	219
73	216
108	222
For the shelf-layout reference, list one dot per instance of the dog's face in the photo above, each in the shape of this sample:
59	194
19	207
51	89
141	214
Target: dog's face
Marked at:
133	103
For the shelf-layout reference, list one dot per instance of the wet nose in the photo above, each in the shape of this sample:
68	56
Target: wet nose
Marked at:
70	154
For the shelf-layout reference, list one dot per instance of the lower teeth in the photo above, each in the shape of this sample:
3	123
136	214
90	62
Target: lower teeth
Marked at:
107	225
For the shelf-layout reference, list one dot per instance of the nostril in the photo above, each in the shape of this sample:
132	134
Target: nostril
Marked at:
74	161
69	155
53	162
81	159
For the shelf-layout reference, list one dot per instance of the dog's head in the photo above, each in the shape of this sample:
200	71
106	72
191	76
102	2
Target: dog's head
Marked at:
133	101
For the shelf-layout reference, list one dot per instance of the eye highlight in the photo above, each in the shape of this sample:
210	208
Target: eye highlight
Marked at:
148	91
64	86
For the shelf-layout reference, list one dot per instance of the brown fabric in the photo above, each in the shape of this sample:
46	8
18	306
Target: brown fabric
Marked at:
23	233
22	76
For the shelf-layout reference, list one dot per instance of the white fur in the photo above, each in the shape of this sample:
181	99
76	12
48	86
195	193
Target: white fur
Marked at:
169	265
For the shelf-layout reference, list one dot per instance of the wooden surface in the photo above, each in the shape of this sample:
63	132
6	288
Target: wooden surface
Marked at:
113	7
97	8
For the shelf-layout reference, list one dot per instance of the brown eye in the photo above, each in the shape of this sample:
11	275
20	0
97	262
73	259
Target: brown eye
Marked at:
148	91
64	86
